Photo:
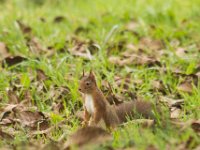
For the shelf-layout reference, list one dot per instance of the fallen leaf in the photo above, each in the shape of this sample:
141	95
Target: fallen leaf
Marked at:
181	52
35	46
196	126
131	47
59	19
175	112
57	108
12	60
81	29
52	145
130	59
24	28
198	74
93	47
46	129
124	82
132	25
151	147
171	102
3	51
151	44
109	94
80	49
27	101
116	46
87	136
13	98
5	136
28	118
185	87
174	43
158	85
7	110
41	76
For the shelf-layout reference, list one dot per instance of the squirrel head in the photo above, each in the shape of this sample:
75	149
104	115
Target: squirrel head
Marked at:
87	83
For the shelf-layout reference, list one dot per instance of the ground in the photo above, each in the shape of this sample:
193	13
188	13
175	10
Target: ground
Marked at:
145	49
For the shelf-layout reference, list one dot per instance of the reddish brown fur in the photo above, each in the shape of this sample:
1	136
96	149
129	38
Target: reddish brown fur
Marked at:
102	108
112	115
133	108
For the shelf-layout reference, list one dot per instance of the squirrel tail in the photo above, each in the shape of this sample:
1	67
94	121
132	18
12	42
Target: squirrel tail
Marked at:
132	109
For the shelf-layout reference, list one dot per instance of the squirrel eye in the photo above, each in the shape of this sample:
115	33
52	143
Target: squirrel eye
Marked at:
87	83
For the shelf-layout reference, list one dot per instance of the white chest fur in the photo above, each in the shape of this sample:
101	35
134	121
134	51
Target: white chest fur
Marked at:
89	103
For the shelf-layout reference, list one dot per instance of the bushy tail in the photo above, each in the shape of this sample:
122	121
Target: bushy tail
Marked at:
132	109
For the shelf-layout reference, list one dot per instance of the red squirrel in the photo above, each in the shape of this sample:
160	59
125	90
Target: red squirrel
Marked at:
97	108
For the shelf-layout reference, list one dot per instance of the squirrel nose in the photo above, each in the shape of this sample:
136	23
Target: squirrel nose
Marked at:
79	89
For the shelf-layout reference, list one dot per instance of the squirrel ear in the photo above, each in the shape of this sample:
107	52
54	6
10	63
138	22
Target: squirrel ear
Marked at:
83	73
91	74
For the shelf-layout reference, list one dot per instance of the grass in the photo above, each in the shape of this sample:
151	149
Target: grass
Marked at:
172	20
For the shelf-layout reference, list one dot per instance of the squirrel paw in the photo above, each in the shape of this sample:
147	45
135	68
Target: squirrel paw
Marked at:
84	124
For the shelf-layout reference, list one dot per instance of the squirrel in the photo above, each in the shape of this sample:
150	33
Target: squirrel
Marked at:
97	108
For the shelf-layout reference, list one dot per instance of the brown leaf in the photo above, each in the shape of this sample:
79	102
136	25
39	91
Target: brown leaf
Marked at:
81	51
196	126
35	46
51	146
41	76
6	122
181	52
175	43
57	108
175	113
12	60
81	29
13	98
59	19
171	102
5	136
3	51
124	82
131	47
116	46
151	147
158	86
185	87
87	136
110	96
132	25
93	47
198	74
45	128
7	110
130	58
28	118
24	28
149	43
84	49
27	101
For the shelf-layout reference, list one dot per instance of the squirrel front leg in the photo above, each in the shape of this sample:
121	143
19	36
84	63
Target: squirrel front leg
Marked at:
87	117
